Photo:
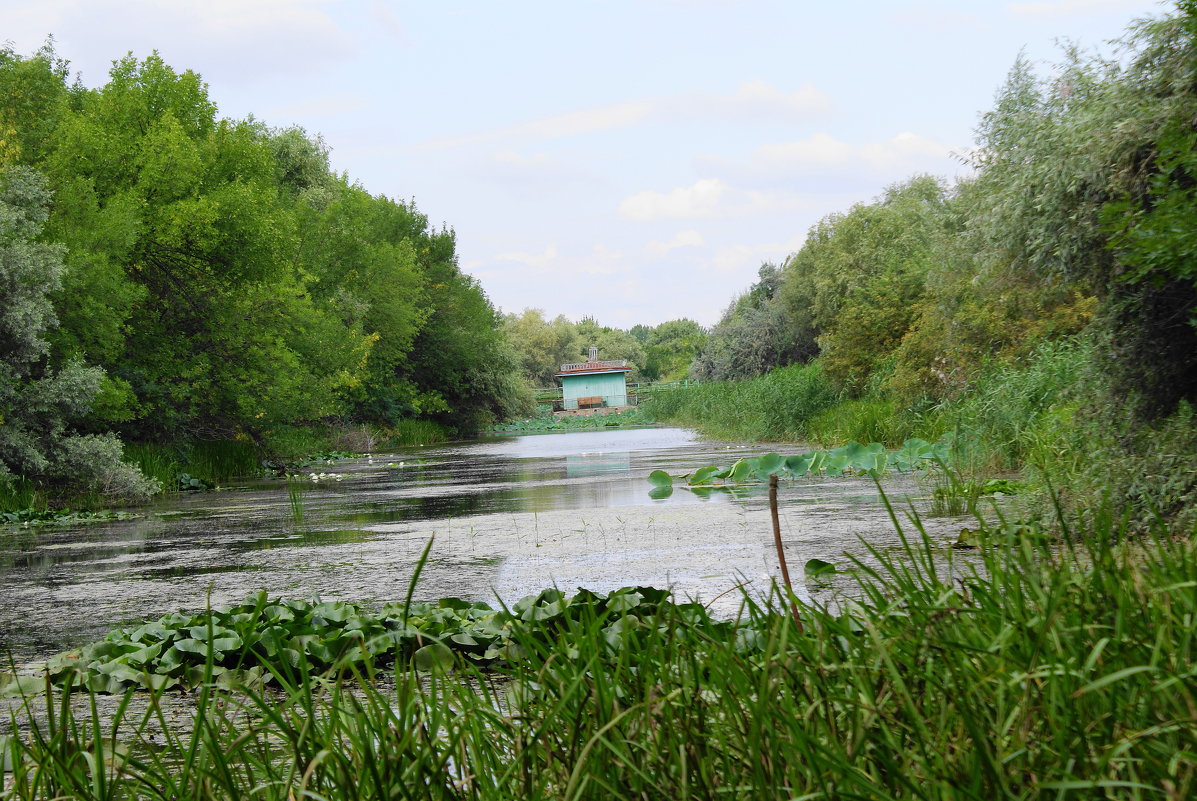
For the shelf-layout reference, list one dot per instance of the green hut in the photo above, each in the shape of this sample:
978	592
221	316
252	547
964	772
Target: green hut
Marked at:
593	384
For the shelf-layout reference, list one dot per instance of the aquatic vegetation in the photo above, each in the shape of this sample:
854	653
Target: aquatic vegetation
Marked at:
295	493
955	495
185	482
1027	672
60	517
316	478
328	457
264	639
852	458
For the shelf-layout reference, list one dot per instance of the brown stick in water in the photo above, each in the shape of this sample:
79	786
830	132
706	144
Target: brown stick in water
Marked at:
781	554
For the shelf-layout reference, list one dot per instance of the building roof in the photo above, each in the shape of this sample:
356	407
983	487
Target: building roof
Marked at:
583	368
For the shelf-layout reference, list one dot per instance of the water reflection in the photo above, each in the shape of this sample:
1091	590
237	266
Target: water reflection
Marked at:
581	465
57	584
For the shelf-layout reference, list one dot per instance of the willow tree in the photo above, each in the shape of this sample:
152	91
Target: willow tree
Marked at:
42	404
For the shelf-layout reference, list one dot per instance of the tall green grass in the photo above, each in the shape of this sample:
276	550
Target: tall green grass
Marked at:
776	406
1023	412
1010	415
212	461
18	494
1046	669
405	433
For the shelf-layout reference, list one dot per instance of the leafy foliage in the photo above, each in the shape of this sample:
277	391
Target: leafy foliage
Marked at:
853	457
264	639
40	406
754	335
220	278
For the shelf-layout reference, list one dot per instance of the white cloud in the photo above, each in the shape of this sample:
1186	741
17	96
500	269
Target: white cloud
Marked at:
699	200
233	39
706	198
745	258
682	239
822	157
387	22
1078	8
753	99
760	99
537	261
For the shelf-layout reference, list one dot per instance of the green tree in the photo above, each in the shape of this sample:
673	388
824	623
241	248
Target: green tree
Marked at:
612	343
755	334
40	406
671	347
541	345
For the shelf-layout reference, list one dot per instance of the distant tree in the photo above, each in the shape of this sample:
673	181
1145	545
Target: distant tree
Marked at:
541	345
612	343
671	347
755	334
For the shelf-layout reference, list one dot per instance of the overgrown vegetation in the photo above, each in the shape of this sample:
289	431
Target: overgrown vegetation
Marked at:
1034	671
1043	310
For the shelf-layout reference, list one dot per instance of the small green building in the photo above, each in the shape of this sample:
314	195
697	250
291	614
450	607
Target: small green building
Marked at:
592	384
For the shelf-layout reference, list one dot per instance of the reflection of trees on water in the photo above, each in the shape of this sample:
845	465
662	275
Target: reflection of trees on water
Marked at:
37	552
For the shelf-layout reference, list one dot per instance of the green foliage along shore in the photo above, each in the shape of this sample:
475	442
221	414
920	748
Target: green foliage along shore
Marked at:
1044	308
202	278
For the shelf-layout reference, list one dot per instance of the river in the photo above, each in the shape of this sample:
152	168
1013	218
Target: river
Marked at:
507	516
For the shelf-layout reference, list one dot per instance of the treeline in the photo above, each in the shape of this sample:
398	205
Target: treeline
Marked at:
1048	301
654	353
169	275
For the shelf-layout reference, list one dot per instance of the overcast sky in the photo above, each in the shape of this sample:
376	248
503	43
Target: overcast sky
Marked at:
634	160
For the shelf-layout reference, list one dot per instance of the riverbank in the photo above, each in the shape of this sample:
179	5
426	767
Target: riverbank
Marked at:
1049	418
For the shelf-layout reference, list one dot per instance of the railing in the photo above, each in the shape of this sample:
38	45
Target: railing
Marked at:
586	365
553	395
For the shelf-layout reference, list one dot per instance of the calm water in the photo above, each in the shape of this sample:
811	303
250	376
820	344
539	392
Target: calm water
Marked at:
507	515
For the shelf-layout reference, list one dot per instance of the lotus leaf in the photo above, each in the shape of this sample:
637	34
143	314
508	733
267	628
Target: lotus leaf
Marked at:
434	658
659	478
623	601
765	466
703	475
816	568
799	465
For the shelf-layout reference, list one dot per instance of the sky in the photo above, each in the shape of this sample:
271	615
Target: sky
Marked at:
631	160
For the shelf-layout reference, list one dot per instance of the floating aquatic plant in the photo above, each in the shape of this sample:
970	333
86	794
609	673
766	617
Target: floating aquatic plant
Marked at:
852	458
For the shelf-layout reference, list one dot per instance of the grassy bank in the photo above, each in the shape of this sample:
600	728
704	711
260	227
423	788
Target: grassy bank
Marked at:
1044	671
1009	414
545	421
